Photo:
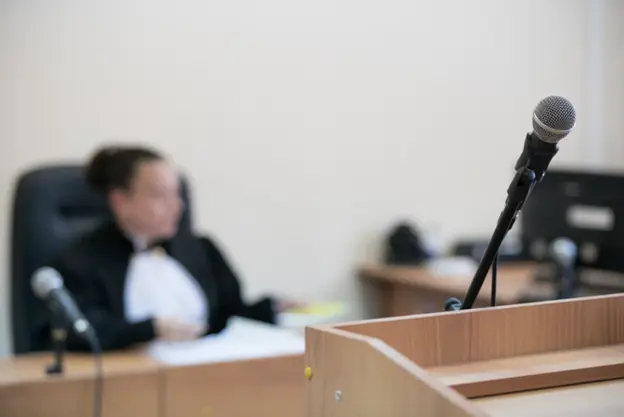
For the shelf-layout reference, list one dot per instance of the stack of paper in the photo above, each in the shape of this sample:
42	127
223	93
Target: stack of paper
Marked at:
242	339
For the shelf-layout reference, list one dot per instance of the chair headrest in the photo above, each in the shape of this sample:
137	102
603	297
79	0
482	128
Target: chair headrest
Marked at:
53	206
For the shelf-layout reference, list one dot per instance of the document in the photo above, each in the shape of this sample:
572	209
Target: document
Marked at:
242	339
456	266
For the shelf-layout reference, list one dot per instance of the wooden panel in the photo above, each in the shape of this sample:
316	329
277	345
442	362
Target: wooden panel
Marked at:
353	376
264	387
137	386
602	399
130	387
531	372
484	334
31	367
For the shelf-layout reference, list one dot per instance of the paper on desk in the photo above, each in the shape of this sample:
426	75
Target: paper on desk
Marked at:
312	314
242	339
456	266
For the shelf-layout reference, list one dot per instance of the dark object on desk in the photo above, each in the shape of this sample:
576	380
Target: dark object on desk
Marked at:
52	206
511	250
404	246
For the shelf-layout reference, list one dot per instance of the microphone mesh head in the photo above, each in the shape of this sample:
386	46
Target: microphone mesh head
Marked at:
564	249
45	280
553	118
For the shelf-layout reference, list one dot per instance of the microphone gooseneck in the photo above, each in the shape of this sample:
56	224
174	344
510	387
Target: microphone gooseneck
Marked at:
554	118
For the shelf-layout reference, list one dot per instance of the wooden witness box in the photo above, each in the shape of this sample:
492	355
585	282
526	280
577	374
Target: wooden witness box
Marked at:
563	358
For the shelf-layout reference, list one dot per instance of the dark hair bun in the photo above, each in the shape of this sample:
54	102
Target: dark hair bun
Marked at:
98	169
114	166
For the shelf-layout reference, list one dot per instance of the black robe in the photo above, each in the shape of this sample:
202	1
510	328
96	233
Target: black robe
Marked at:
94	271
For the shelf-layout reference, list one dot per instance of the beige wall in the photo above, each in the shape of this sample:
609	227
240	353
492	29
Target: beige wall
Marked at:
613	80
309	127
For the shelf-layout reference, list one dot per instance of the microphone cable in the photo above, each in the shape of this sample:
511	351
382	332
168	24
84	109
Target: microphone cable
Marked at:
98	383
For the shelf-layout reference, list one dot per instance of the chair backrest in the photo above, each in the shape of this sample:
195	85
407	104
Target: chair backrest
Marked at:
52	206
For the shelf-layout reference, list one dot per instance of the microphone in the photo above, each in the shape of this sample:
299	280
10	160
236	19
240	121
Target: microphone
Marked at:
564	253
47	284
554	118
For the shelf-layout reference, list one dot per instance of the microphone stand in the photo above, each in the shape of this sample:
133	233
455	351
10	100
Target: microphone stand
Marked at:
517	193
58	329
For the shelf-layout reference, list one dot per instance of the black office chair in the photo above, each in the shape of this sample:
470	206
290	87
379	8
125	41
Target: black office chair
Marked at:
52	206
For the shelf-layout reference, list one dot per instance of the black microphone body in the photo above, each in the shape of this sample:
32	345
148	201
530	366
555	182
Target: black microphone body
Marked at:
536	155
61	303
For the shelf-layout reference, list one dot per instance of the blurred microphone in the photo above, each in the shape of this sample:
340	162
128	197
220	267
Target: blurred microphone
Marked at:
47	284
554	118
564	252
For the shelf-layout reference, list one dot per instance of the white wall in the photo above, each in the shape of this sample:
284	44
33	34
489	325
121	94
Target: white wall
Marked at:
308	127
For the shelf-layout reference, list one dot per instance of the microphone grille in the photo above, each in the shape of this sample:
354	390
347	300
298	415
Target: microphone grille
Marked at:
553	118
45	280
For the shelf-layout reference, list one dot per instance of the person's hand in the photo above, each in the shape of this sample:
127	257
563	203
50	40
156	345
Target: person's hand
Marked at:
174	330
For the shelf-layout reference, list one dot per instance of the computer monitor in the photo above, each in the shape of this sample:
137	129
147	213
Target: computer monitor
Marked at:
585	207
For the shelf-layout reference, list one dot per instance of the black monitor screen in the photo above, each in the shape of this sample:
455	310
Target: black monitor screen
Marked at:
586	207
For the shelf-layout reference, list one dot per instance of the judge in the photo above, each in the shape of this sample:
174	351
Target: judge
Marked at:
142	277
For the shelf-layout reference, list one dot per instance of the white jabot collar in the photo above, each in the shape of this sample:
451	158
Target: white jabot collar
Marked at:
139	243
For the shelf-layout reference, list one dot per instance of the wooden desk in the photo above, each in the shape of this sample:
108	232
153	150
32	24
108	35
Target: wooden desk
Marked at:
415	290
272	387
137	386
131	386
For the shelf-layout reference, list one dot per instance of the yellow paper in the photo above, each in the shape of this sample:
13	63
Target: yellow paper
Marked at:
318	309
